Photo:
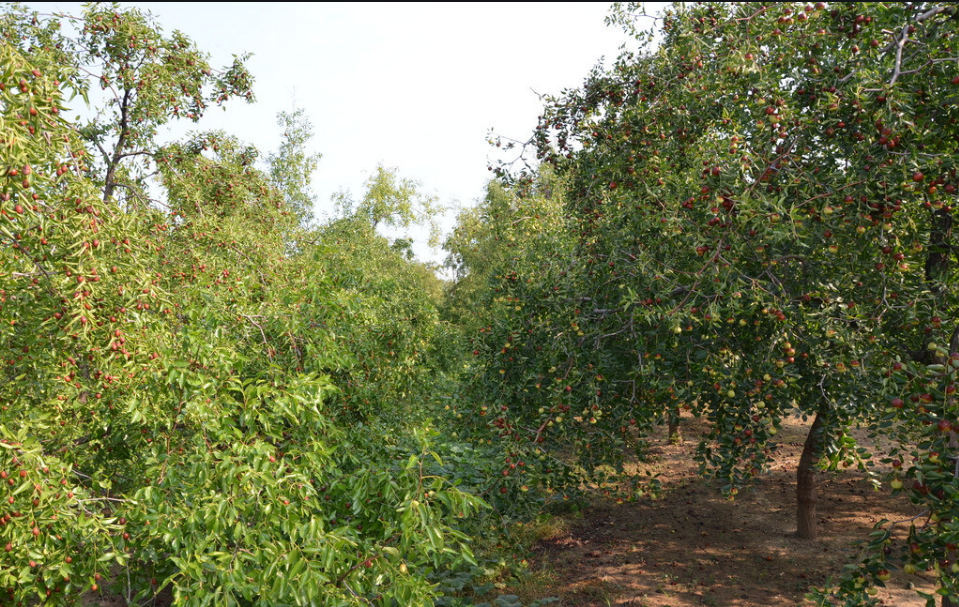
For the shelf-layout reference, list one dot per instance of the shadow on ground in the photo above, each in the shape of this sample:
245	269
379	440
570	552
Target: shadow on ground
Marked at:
694	547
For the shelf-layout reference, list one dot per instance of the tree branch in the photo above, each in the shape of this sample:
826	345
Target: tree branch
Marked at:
900	43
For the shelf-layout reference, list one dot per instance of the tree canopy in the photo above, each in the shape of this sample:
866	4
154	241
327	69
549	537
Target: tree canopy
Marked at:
195	392
208	389
761	205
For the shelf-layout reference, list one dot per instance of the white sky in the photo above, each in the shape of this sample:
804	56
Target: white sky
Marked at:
413	86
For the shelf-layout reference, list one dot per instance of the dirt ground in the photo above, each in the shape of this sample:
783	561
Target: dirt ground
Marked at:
693	547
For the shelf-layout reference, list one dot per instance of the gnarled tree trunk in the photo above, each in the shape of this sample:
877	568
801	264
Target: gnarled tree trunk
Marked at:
806	493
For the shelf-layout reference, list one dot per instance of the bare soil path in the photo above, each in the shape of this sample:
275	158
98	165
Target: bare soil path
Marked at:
693	547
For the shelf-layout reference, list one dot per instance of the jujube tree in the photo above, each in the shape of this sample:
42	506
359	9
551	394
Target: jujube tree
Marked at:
145	79
166	405
763	211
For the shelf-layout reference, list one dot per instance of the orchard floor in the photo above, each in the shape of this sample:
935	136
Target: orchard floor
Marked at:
692	547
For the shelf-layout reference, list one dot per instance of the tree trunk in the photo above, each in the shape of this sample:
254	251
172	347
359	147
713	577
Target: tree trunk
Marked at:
675	437
806	494
952	555
109	182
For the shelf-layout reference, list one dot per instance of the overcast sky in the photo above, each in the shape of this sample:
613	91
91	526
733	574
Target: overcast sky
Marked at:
412	86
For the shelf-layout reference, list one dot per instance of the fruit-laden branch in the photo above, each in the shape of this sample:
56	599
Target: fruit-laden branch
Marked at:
899	42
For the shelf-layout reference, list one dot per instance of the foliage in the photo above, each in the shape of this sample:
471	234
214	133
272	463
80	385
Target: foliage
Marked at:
192	396
391	202
490	239
68	278
291	168
146	80
761	210
388	324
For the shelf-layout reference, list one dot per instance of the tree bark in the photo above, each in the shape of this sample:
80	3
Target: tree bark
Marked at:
940	249
952	555
806	491
109	182
675	437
